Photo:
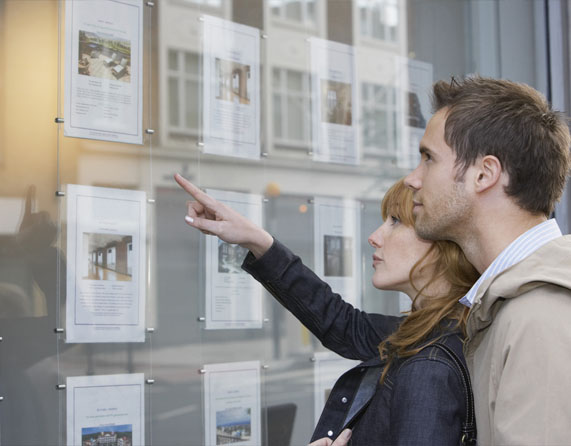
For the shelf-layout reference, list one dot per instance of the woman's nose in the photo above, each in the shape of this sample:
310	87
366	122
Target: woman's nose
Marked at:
375	239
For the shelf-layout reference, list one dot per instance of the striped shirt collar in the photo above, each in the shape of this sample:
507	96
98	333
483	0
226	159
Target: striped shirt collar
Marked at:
516	251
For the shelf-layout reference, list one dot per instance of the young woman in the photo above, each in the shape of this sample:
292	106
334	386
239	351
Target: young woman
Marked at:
402	393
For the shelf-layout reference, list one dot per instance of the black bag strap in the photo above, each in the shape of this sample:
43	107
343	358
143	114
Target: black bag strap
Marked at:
469	424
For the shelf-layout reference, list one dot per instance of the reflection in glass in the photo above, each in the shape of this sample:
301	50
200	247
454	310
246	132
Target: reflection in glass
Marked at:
291	108
174	117
379	118
293	10
192	92
295	118
300	11
379	19
278	133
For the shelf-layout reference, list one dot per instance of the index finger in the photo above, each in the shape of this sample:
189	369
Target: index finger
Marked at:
195	192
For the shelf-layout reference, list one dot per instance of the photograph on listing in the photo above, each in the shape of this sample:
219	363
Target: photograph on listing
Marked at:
336	235
103	94
334	102
106	410
106	261
232	403
231	92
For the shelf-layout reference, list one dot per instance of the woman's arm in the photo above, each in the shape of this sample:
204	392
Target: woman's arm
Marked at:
337	324
351	333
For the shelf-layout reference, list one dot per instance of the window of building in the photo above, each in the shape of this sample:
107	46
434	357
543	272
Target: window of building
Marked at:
301	11
183	92
291	108
379	19
207	3
379	119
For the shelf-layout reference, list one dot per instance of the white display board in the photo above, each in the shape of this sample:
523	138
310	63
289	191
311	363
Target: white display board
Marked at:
415	83
232	404
337	246
334	102
106	236
106	410
327	369
233	297
231	94
104	70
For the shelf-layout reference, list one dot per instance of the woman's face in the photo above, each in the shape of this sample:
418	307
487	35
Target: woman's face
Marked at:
397	249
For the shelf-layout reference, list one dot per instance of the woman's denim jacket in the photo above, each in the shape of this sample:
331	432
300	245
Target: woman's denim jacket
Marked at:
421	401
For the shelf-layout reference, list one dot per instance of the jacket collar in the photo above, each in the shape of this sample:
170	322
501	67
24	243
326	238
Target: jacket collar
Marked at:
548	265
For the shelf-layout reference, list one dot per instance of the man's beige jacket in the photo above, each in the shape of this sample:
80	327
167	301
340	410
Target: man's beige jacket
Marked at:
519	351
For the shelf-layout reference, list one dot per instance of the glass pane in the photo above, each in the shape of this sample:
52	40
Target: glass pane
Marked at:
191	104
293	10
174	117
310	5
276	76
276	7
191	63
391	15
278	133
295	115
376	25
173	60
363	18
294	81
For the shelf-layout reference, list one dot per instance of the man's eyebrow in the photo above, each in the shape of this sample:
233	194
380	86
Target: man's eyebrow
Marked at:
425	150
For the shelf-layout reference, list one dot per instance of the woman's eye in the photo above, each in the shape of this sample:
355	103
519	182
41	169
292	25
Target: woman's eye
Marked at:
394	220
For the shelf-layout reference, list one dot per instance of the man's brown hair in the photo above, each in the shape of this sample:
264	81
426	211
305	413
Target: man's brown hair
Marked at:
513	122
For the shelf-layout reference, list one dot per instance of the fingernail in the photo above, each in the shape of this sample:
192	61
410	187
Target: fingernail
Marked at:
346	434
189	219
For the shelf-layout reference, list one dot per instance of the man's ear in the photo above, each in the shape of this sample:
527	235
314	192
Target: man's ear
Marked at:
488	173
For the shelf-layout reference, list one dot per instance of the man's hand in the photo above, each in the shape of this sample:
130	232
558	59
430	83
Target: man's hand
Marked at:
341	440
215	218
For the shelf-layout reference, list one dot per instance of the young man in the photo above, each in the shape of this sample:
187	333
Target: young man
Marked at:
494	160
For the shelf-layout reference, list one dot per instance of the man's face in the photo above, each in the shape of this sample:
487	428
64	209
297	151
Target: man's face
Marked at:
441	205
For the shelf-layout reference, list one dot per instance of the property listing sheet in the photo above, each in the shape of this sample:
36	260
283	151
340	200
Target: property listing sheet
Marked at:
233	297
415	79
105	410
106	236
327	369
334	104
231	95
103	70
232	404
337	240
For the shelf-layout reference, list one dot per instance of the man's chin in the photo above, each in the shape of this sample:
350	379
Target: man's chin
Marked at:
425	231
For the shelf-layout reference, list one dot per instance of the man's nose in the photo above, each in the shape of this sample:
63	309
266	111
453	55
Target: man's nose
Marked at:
412	180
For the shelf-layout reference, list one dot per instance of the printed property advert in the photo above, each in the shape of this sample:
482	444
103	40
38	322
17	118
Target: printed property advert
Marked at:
334	104
231	96
337	246
233	297
105	410
232	404
415	79
106	234
327	369
103	70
